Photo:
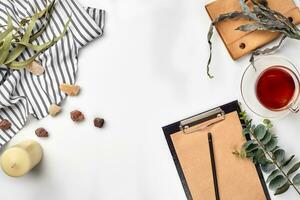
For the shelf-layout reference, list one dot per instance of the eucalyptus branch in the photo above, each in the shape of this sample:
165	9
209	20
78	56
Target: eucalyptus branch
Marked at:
262	148
274	161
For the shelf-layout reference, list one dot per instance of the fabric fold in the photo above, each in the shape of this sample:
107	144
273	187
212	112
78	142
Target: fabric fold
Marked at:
22	93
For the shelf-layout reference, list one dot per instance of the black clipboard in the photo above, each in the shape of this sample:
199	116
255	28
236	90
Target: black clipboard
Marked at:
176	127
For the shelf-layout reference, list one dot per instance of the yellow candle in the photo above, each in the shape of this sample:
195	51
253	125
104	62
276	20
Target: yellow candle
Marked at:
21	158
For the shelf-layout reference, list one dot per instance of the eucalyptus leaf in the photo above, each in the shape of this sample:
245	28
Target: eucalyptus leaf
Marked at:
5	48
277	182
248	143
260	132
272	144
287	162
266	50
252	148
247	10
19	49
260	157
273	175
220	18
251	27
282	189
279	155
39	48
22	64
246	131
267	138
296	179
267	121
268	167
39	32
294	168
9	28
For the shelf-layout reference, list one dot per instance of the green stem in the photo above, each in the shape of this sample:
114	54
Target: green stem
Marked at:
274	162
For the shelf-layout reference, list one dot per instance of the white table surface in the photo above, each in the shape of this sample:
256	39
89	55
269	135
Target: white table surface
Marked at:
146	72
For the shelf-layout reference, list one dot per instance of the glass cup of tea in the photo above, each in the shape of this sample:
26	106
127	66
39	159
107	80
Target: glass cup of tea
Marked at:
270	88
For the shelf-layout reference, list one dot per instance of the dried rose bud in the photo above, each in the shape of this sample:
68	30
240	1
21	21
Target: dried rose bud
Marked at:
77	116
71	90
5	124
41	132
54	110
98	122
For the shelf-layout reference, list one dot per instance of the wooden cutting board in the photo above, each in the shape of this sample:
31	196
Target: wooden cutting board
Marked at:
240	43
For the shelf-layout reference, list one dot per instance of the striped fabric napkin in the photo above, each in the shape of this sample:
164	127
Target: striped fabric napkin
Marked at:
22	93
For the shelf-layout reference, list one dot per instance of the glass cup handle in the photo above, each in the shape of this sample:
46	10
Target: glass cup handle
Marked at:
294	109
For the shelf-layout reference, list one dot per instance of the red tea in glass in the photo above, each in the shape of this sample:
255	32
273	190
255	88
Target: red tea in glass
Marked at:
275	88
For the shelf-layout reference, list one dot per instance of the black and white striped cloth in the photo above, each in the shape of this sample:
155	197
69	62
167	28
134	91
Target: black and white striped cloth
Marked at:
22	93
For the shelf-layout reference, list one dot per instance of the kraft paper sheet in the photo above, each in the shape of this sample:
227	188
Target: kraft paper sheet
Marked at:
237	178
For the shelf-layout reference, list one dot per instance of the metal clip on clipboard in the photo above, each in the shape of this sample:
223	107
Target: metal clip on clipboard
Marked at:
203	120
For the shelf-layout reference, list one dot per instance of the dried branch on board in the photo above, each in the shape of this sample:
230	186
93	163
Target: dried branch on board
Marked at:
261	18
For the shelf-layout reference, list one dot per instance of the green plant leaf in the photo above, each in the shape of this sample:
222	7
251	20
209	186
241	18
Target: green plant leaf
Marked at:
266	121
44	26
38	48
248	144
5	47
294	168
260	157
269	167
287	162
272	144
22	64
277	182
279	155
282	189
296	179
18	50
267	138
273	175
246	131
9	28
260	131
